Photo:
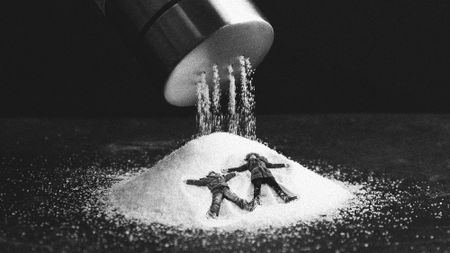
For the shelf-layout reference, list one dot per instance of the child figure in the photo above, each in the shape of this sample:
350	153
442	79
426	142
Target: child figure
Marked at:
260	174
219	188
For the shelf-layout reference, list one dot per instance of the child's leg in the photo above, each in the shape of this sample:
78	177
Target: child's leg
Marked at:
283	195
217	198
257	190
257	187
243	204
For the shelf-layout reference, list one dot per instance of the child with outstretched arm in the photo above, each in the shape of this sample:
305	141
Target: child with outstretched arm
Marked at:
260	174
219	188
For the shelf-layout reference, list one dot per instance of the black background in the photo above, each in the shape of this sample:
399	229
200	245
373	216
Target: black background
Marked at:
62	58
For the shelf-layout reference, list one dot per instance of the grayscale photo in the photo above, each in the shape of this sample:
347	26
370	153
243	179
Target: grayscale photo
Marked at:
225	126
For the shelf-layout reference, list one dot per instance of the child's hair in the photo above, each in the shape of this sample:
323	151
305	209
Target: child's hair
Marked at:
212	172
247	157
258	156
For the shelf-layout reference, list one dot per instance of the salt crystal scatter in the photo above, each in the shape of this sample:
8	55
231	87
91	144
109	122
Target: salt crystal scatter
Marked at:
159	195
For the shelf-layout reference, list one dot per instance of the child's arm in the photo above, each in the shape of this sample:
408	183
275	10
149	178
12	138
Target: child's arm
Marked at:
229	176
199	182
276	165
237	169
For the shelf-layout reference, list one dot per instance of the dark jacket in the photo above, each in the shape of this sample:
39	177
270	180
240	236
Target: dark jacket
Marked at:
258	170
214	182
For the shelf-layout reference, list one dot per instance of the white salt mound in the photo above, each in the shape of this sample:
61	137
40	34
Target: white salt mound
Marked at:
160	195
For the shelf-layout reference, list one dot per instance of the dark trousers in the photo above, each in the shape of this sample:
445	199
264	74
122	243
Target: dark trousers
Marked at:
225	192
270	181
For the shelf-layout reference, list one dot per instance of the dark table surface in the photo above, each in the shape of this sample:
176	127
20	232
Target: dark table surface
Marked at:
52	170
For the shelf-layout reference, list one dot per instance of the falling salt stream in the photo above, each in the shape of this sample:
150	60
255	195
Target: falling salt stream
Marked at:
243	110
225	136
203	106
240	117
216	113
232	118
248	103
